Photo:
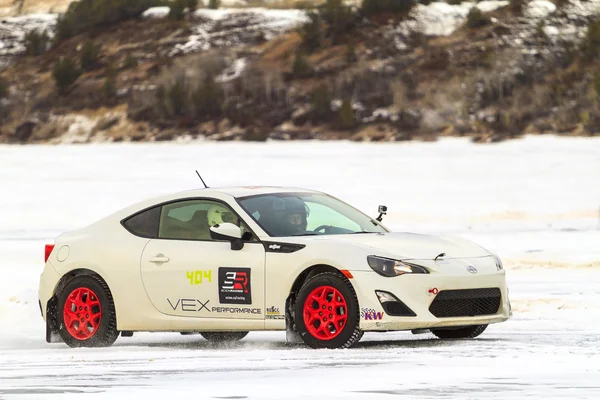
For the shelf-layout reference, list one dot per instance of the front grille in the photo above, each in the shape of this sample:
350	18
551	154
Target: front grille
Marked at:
466	303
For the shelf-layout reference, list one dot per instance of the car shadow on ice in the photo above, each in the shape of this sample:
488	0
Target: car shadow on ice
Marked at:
202	344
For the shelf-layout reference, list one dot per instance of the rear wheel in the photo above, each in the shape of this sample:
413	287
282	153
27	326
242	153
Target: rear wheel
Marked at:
460	333
326	312
86	313
223	336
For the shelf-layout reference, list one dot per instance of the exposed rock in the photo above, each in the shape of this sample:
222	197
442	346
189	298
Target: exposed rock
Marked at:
108	121
234	134
24	131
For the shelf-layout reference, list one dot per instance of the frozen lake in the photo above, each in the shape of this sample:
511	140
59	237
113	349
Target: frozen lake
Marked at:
535	202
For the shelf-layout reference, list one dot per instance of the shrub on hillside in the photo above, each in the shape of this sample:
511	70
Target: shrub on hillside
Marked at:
312	32
590	45
338	16
214	4
370	7
321	102
476	19
346	118
191	5
110	83
4	85
182	98
207	99
90	55
177	98
130	62
86	15
36	42
65	73
177	10
351	55
301	67
517	5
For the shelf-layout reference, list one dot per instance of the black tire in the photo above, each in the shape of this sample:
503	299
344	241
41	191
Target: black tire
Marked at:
223	336
106	333
467	332
350	333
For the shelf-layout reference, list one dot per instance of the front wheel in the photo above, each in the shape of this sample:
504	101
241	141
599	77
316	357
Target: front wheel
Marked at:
460	333
326	312
223	336
86	313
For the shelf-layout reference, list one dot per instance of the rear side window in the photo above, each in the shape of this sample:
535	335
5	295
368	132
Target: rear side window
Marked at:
144	224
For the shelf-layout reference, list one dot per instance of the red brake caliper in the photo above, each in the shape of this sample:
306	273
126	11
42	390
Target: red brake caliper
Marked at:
82	313
325	313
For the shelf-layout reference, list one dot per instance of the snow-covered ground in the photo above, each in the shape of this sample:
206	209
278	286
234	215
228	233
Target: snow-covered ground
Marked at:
13	30
535	201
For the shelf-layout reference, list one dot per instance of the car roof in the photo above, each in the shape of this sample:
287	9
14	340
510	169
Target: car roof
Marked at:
243	191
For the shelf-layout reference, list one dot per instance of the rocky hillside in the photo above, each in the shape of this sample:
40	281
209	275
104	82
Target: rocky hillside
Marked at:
389	70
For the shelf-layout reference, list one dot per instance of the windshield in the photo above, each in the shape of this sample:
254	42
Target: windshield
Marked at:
303	214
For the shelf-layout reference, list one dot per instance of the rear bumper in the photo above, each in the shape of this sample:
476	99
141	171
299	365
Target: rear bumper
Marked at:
48	281
417	292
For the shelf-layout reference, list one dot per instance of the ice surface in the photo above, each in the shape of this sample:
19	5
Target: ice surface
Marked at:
535	201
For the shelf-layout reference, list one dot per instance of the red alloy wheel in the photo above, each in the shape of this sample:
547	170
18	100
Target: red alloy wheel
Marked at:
325	313
82	313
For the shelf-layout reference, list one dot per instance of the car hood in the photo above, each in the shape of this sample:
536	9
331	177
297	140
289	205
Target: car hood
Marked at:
406	246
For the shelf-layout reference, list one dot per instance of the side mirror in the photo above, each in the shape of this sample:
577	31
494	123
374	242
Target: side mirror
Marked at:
382	210
229	232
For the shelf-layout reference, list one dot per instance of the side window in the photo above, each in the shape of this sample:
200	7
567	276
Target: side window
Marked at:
192	219
144	224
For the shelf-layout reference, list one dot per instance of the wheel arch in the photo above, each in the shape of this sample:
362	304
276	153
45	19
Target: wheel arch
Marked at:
66	278
299	281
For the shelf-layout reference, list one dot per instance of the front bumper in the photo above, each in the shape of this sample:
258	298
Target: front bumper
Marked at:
417	293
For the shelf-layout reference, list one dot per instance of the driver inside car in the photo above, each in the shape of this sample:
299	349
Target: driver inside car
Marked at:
295	215
217	214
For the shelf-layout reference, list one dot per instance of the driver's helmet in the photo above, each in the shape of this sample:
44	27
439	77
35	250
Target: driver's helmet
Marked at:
295	213
218	214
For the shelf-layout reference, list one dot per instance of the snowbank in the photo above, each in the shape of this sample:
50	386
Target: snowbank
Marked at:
539	9
156	12
584	8
231	27
233	72
442	19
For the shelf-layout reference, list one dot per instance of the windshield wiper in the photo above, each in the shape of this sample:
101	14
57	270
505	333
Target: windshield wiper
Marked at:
306	234
356	233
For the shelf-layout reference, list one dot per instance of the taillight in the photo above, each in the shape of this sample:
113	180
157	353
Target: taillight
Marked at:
49	248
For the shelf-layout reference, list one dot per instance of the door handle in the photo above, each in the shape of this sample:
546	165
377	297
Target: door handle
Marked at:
159	259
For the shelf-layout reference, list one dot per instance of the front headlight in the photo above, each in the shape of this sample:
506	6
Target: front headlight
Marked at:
388	267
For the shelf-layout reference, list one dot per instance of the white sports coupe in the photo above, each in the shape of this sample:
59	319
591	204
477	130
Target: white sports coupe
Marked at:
223	262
